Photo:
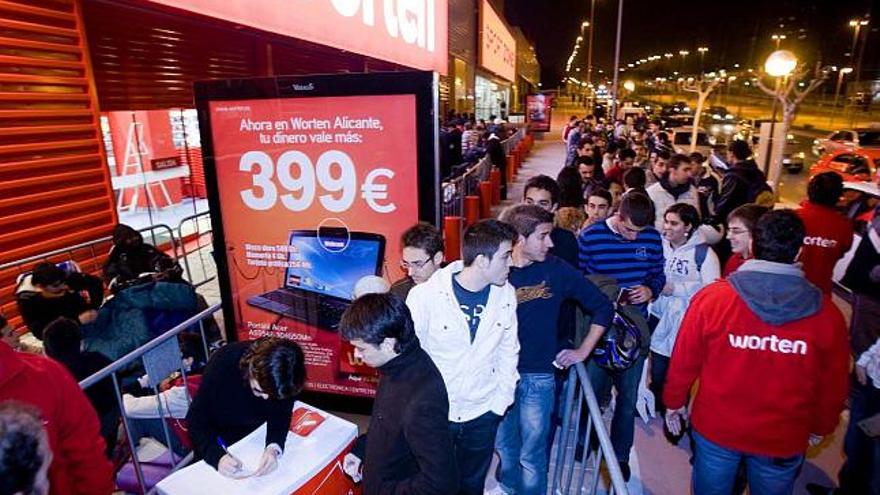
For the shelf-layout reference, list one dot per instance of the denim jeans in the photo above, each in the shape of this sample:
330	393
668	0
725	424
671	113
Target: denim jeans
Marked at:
626	383
522	436
474	443
715	469
861	470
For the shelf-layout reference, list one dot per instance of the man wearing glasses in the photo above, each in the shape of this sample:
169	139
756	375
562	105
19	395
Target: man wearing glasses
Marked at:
422	256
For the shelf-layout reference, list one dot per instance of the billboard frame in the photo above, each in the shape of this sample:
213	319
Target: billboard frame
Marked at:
421	84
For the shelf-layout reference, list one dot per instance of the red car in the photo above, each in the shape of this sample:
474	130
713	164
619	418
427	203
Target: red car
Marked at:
853	165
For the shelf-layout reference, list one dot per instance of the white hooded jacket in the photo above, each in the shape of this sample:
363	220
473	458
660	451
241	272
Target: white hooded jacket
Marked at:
480	376
686	279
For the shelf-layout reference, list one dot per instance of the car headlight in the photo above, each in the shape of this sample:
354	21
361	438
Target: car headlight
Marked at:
686	109
715	129
801	155
716	116
729	117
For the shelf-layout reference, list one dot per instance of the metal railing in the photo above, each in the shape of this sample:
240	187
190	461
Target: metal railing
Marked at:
200	226
453	191
160	357
570	474
91	262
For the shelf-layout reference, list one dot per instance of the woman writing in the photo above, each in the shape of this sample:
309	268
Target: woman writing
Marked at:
245	385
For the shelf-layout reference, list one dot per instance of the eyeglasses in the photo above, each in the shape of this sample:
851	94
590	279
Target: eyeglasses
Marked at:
417	265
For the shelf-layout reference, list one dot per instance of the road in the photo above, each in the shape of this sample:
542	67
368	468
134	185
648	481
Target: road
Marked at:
792	187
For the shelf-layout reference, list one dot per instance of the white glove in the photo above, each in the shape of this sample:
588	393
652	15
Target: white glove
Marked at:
351	465
645	400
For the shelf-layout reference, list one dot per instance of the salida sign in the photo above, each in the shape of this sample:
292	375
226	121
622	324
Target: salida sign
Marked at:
407	32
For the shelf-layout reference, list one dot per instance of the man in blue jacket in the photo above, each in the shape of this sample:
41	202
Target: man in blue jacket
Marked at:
542	283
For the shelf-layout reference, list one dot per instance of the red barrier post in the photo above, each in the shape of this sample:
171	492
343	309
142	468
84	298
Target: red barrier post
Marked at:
485	199
471	209
495	179
452	227
511	168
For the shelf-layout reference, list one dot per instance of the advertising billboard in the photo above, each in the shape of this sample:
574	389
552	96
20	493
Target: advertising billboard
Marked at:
413	33
497	45
311	181
538	112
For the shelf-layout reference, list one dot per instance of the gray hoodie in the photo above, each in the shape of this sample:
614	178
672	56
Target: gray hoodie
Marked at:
777	292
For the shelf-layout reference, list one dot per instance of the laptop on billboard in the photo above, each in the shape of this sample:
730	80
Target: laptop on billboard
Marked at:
323	267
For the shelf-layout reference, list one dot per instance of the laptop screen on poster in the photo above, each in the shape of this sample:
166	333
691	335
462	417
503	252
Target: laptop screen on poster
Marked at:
330	265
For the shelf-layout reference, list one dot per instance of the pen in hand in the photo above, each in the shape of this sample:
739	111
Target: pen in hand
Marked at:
229	465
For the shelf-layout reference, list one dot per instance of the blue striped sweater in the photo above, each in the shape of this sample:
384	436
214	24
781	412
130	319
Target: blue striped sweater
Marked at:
638	262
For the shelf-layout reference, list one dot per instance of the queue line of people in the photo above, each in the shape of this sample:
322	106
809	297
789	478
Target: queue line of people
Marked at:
468	362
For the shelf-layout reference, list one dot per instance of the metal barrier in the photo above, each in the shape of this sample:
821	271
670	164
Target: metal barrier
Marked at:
569	474
208	269
160	357
454	191
94	257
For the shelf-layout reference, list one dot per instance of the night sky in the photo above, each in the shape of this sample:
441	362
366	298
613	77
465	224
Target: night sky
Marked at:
734	32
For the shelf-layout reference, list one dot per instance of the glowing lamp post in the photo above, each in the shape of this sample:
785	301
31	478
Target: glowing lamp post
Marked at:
779	64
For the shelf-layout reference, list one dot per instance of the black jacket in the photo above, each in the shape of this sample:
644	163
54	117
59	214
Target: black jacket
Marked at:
736	187
226	408
86	292
408	447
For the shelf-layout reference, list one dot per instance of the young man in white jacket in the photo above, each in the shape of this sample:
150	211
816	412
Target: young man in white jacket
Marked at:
675	186
465	319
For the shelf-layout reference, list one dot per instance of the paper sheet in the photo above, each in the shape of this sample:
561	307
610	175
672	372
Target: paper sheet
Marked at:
303	458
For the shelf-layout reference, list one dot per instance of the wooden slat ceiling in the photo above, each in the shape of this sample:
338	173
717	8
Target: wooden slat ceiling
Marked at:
147	58
54	186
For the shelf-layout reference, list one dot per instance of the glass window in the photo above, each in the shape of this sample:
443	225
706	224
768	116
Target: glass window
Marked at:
858	166
844	158
869	138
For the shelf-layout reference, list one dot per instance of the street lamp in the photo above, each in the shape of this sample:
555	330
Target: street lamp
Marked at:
780	64
778	39
857	25
702	51
842	72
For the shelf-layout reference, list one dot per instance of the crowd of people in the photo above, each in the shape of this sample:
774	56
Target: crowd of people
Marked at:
654	270
632	239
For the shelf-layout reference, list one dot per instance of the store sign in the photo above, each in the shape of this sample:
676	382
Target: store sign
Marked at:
164	163
538	112
407	32
497	45
311	194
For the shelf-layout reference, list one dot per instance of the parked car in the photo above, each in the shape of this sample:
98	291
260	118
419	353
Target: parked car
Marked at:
854	166
847	140
792	155
680	137
857	202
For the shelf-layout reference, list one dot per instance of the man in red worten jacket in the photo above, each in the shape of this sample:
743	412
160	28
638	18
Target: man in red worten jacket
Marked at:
829	233
772	356
79	466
